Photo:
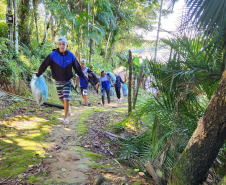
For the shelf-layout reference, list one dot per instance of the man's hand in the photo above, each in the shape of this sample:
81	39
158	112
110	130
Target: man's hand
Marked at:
36	73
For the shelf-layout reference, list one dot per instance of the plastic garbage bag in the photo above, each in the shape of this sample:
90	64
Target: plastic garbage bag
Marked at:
39	89
93	80
112	92
112	76
125	90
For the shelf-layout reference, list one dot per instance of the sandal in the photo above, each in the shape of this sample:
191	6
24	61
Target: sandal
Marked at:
66	121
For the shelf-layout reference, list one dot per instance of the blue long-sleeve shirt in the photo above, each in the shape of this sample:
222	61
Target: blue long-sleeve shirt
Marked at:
118	81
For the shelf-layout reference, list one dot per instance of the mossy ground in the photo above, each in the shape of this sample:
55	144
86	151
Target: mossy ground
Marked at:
22	137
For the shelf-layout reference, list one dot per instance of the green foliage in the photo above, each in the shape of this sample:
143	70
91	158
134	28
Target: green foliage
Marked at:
3	29
184	84
211	20
3	4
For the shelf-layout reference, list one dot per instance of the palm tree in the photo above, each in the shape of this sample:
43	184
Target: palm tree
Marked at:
210	134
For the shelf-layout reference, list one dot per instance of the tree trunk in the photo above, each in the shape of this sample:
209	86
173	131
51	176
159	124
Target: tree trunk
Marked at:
46	30
134	85
159	24
90	51
16	26
54	29
106	48
203	147
53	34
130	84
10	26
91	41
111	53
23	23
138	87
35	3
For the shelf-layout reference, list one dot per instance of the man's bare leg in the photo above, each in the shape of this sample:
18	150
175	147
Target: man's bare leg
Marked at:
85	99
67	108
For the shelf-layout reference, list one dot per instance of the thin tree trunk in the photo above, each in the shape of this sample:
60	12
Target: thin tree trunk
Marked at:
90	51
159	24
46	30
138	87
16	26
106	48
54	29
88	33
35	3
23	24
111	53
10	26
130	84
134	85
203	147
91	42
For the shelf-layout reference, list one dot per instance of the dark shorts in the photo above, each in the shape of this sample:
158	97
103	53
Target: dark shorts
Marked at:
84	90
63	89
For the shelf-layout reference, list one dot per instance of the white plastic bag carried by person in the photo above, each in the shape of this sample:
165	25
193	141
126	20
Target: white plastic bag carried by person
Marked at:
39	89
125	90
112	92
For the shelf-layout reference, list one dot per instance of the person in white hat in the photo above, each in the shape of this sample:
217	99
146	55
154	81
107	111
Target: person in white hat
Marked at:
61	62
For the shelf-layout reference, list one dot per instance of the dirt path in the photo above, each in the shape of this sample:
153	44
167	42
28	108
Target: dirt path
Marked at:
49	152
66	164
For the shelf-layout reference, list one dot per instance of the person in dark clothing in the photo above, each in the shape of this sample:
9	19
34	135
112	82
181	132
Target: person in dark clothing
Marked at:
61	62
118	86
105	82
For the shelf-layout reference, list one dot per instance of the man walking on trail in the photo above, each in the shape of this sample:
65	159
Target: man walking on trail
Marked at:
118	86
83	85
61	62
105	84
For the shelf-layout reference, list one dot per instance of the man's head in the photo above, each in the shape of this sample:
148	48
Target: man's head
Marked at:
116	74
102	71
62	44
83	63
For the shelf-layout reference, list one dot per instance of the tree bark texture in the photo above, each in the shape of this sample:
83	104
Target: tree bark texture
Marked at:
35	3
138	87
47	25
90	51
134	85
10	26
16	25
111	53
106	48
23	22
130	84
159	24
203	147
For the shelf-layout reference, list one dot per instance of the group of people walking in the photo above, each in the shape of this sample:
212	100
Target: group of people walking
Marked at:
61	62
105	83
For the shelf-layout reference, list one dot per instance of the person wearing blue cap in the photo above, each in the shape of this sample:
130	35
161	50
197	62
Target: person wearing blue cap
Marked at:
61	62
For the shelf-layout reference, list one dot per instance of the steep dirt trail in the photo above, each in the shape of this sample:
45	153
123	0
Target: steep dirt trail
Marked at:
66	164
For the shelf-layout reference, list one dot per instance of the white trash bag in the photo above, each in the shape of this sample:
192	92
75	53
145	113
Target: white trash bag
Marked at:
39	89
